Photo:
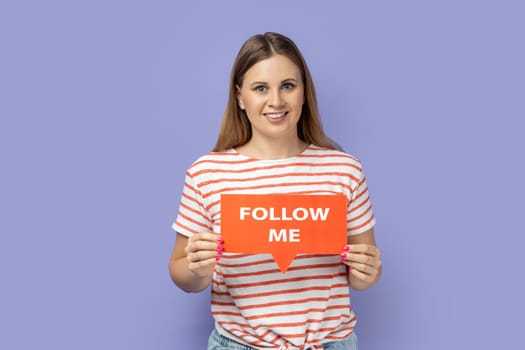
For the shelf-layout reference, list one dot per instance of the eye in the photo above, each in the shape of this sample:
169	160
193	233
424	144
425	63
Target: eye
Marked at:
260	88
288	86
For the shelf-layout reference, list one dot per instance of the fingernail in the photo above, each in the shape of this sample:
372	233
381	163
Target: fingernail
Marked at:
219	239
347	248
217	258
343	256
220	247
349	268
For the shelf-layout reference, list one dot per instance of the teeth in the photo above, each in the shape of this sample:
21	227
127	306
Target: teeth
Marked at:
275	115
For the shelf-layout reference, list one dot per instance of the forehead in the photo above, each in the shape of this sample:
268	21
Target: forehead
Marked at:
275	68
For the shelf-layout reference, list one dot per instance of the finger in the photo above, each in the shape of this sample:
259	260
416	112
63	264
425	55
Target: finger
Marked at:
196	244
203	246
202	255
207	236
364	268
367	249
201	264
365	277
362	259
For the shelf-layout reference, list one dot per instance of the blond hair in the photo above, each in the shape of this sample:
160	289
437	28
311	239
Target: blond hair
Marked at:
235	128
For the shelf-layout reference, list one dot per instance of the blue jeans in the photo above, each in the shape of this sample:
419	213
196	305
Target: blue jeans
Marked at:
219	342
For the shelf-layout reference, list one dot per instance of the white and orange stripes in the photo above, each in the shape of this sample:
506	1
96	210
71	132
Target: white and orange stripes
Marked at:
252	301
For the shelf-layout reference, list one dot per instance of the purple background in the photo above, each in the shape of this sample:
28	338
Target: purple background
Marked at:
104	104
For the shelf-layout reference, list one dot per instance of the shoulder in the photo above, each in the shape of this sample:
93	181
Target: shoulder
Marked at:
331	156
215	160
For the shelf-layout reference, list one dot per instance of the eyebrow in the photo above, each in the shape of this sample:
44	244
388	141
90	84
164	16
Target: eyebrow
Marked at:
265	83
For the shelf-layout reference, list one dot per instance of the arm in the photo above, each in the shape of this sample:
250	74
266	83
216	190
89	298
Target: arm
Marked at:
193	260
363	259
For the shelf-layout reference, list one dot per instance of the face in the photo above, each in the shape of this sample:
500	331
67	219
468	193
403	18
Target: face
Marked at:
272	95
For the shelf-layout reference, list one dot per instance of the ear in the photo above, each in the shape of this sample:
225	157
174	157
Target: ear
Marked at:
239	98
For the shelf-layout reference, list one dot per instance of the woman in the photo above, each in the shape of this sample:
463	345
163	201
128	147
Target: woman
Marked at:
271	141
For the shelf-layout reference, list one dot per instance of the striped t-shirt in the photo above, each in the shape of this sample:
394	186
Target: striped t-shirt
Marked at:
252	301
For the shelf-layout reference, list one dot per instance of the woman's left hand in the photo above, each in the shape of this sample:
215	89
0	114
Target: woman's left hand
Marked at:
364	264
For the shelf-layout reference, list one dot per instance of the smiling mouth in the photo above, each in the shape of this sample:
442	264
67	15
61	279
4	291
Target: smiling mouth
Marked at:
275	116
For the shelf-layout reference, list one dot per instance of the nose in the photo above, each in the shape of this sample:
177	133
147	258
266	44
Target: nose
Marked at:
276	99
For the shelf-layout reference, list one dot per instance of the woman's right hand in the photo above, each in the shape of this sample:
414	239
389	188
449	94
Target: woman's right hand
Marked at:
203	250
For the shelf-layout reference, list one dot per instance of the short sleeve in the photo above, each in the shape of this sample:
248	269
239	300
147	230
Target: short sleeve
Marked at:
360	216
193	216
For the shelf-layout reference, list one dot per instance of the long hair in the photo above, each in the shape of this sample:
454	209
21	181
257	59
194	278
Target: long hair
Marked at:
236	128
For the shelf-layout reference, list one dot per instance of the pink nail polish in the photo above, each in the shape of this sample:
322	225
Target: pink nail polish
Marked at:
343	256
347	248
217	258
220	247
220	239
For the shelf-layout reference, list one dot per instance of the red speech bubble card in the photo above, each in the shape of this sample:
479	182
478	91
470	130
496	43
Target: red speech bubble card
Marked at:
283	225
